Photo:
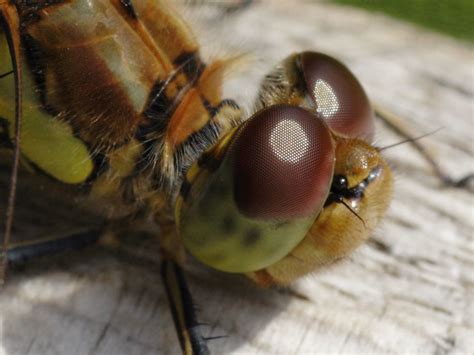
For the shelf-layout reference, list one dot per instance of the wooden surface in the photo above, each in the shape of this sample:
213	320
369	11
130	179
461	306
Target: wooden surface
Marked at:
410	290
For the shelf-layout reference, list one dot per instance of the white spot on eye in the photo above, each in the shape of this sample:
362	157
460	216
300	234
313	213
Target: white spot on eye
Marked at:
326	99
289	141
354	204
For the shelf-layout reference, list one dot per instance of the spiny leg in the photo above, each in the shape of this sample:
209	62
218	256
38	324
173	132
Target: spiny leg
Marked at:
23	252
395	123
10	23
179	298
182	309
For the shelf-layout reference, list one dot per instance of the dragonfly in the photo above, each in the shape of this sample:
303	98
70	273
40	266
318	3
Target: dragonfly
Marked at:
149	135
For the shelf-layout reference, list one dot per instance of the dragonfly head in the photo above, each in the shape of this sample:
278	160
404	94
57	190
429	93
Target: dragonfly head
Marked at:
251	206
258	195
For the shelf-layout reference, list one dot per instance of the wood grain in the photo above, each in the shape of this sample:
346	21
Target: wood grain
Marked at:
410	290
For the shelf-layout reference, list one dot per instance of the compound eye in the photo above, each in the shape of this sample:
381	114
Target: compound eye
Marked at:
253	198
283	164
338	96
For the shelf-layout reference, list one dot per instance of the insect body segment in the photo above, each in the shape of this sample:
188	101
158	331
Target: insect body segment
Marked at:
111	87
273	181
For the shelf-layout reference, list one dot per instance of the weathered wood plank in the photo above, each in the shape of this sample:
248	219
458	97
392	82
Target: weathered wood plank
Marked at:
408	291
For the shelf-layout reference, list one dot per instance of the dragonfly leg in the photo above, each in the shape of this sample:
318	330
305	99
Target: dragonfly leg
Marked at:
182	309
179	297
21	253
395	123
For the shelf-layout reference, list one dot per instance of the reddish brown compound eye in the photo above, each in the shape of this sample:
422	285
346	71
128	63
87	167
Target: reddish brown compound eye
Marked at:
338	96
284	162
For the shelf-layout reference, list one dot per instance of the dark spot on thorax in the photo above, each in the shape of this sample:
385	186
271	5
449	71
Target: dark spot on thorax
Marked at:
252	236
228	225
